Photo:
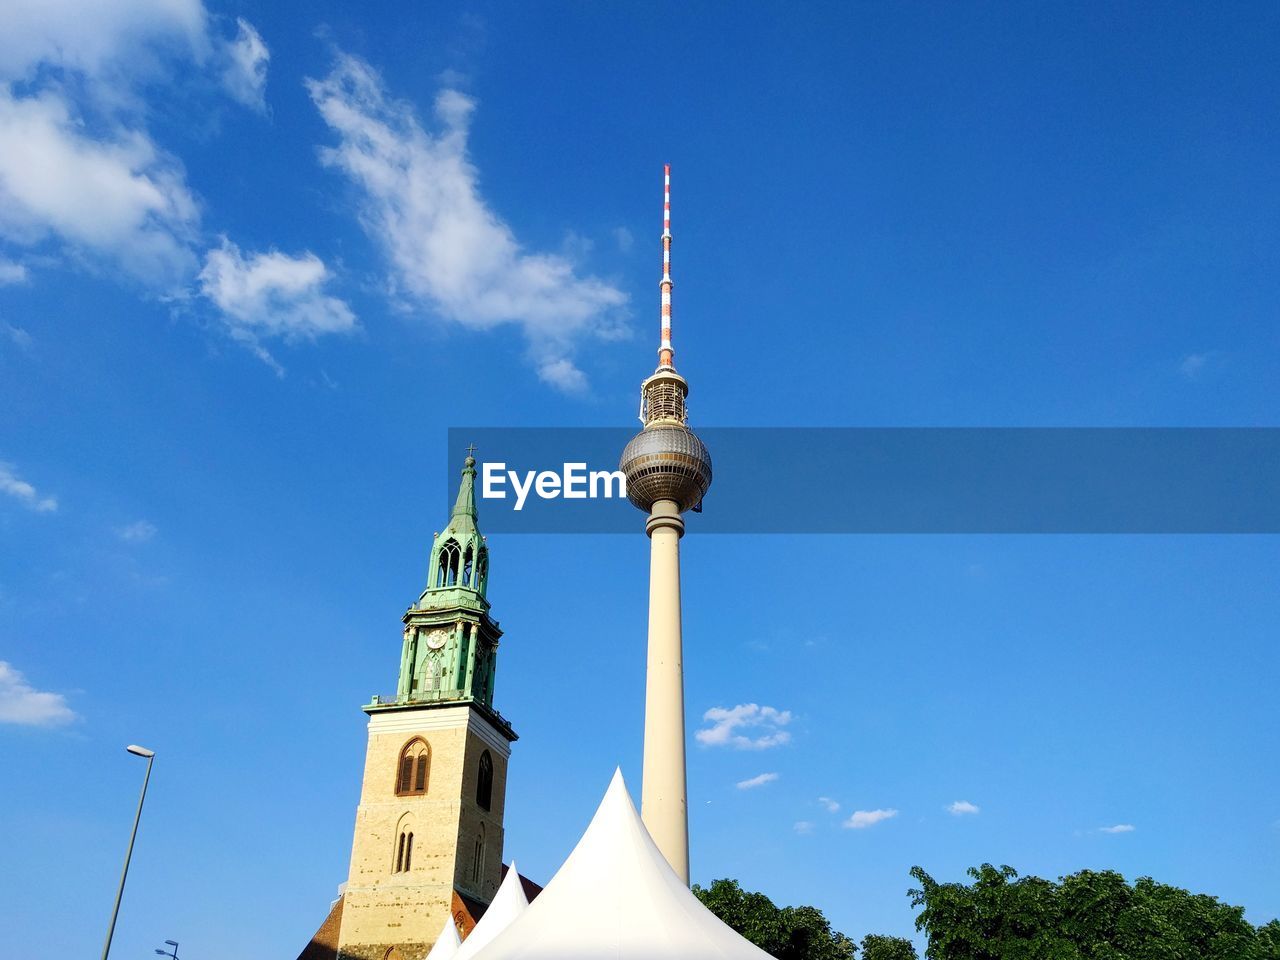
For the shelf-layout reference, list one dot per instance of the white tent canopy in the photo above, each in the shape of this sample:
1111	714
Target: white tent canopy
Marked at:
446	944
616	897
508	903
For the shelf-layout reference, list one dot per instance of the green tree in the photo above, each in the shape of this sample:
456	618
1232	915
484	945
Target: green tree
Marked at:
877	947
1090	915
788	933
1269	936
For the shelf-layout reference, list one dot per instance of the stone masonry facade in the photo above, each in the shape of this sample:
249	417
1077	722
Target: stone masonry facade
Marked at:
389	914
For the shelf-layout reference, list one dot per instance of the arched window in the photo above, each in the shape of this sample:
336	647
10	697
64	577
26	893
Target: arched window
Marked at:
484	782
433	674
477	857
447	571
466	568
404	851
415	765
482	570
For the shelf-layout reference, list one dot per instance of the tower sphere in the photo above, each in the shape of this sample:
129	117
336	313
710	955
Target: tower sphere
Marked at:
666	461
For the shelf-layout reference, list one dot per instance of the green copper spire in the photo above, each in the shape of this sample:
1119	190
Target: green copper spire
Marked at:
459	557
450	646
465	505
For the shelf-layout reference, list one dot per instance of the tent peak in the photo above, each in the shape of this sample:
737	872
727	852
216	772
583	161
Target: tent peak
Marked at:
616	897
507	904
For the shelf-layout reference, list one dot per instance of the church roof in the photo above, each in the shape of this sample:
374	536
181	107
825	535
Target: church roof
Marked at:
324	943
617	897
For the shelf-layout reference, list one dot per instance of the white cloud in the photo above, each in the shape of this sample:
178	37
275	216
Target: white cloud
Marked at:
23	704
139	531
751	716
1193	364
11	272
758	781
862	819
273	295
622	236
803	827
19	336
24	492
831	806
563	374
92	37
1118	828
115	197
245	75
77	163
962	807
420	201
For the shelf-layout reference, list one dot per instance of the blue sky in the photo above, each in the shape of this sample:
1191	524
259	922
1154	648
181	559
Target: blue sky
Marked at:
256	259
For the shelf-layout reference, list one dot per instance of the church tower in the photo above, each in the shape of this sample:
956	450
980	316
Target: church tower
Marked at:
429	825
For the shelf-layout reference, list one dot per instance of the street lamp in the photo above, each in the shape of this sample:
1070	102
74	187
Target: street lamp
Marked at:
166	953
150	756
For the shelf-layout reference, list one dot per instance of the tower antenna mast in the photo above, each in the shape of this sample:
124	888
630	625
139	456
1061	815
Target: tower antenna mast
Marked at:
666	356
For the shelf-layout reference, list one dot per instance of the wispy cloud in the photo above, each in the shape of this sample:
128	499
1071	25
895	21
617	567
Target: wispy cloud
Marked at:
245	73
803	826
757	781
23	492
11	272
77	163
97	40
17	335
447	249
861	819
79	167
963	808
23	704
139	531
624	239
1118	828
831	806
1192	364
273	295
113	198
765	722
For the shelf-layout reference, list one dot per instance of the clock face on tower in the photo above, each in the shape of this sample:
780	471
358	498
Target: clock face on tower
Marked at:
436	639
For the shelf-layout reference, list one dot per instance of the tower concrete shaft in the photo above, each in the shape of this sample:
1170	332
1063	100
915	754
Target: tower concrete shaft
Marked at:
664	799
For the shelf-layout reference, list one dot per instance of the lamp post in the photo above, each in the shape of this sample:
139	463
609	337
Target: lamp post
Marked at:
166	953
150	756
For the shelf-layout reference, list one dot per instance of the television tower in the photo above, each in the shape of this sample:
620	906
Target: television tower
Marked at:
668	471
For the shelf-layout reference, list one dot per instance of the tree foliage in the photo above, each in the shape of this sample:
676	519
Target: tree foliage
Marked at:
1090	915
877	947
788	933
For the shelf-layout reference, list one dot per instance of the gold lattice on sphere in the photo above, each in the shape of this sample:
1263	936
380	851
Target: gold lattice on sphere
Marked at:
666	461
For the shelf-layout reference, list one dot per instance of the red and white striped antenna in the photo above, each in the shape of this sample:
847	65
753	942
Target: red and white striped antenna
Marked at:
665	352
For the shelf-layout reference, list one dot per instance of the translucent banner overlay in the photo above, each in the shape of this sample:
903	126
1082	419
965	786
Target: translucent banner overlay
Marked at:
896	480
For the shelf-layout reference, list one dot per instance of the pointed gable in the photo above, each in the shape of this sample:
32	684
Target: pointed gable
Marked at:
507	904
616	897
